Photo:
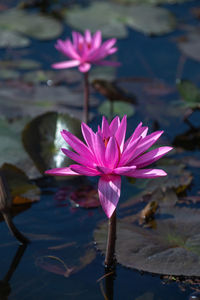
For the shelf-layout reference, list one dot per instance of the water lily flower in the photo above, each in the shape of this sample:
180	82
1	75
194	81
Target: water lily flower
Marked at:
85	50
107	154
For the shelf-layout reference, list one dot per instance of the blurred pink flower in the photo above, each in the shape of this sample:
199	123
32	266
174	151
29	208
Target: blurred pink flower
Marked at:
85	51
108	155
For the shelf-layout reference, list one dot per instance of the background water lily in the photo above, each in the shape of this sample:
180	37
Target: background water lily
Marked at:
108	155
85	50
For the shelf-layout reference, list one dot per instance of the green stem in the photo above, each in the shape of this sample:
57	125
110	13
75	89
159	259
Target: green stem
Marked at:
110	249
86	98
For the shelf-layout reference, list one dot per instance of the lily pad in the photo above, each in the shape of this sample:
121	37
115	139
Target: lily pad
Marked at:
112	19
22	190
8	74
154	2
18	101
97	16
34	25
190	93
11	150
43	141
12	39
190	43
171	248
112	108
21	64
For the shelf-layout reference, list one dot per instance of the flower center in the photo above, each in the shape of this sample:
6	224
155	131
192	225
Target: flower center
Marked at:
106	140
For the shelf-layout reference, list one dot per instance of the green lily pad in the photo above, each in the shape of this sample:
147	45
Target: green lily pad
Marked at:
9	38
97	16
112	19
190	43
171	248
177	179
112	108
43	141
11	150
190	93
34	25
8	74
22	190
154	2
21	64
17	101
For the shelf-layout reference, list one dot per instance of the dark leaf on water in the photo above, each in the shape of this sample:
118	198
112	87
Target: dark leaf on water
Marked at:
33	25
190	140
43	141
171	248
190	93
21	188
112	19
190	44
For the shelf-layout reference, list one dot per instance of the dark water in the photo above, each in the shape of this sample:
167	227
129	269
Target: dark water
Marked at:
60	232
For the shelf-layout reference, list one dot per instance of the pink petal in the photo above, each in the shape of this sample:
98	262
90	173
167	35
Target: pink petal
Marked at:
129	151
104	170
114	125
105	129
139	131
75	39
146	173
84	67
151	156
66	64
77	158
109	189
77	145
72	52
123	170
88	135
112	153
99	149
107	63
121	133
88	37
61	172
97	38
83	170
145	144
108	44
112	50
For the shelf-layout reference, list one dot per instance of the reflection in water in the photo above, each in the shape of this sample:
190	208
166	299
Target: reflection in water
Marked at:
5	288
109	282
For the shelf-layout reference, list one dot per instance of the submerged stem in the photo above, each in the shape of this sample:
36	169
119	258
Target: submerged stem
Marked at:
110	249
86	98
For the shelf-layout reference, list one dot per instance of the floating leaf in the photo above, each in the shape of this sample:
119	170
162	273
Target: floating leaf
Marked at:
11	150
12	39
8	74
22	64
112	108
43	141
22	189
112	19
34	25
18	101
190	44
98	16
171	248
190	140
190	93
150	1
177	178
160	20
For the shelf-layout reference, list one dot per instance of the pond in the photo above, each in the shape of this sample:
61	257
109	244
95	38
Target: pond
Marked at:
157	83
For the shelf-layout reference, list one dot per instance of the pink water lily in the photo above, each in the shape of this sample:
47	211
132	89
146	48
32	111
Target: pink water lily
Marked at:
85	50
107	154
